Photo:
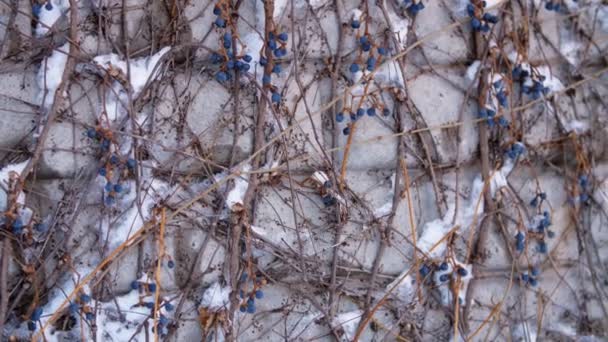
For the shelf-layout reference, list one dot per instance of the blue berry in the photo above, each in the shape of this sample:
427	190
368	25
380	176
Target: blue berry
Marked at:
117	187
272	44
346	130
444	277
221	76
219	22
169	307
247	58
281	52
263	61
17	226
424	270
490	18
520	245
497	85
532	281
355	24
549	6
276	69
110	200
503	122
73	308
134	285
230	65
36	9
386	112
542	247
328	200
415	8
102	171
91	133
483	113
340	117
244	277
535	271
163	320
470	10
382	51
36	314
250	305
353	116
283	36
31	326
371	63
475	24
360	112
443	266
217	10
366	46
245	67
149	305
502	99
152	287
131	163
371	111
363	40
485	28
114	160
266	79
520	237
89	316
583	180
525	277
243	309
550	233
259	294
85	298
105	144
108	187
276	98
534	202
171	264
48	6
462	272
354	68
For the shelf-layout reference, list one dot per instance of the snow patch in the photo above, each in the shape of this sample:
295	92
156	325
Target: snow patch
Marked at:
50	75
216	297
48	17
577	126
348	321
5	173
236	196
472	71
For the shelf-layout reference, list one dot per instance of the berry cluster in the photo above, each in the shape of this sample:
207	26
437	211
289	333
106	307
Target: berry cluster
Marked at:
583	183
490	116
531	278
413	7
82	305
531	82
116	169
145	287
500	93
221	12
359	113
248	297
34	317
37	7
276	42
480	21
537	228
443	271
229	63
538	197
